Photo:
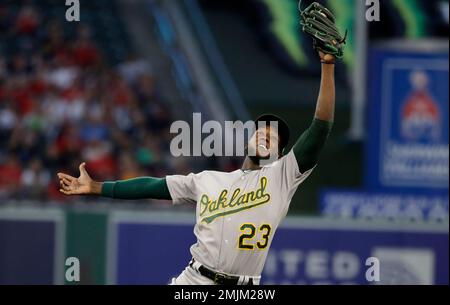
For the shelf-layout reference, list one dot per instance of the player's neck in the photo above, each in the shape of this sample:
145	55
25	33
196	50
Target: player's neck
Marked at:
249	165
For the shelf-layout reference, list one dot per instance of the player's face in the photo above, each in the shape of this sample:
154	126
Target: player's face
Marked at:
264	143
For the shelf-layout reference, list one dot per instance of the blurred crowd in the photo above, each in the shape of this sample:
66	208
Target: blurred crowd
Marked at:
62	102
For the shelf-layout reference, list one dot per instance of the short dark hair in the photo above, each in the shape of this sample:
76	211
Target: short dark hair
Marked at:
283	128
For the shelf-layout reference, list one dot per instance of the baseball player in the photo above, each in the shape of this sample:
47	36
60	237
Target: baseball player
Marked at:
237	213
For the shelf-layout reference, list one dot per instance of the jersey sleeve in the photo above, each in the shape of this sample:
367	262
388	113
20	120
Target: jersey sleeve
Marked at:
290	175
183	189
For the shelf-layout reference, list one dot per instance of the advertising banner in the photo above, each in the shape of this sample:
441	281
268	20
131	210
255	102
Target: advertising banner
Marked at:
316	252
407	137
384	205
27	252
342	256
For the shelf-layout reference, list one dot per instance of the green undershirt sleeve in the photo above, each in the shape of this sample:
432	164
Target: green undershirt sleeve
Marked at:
309	145
137	188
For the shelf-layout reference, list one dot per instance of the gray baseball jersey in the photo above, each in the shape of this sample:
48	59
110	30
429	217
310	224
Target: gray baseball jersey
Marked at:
238	212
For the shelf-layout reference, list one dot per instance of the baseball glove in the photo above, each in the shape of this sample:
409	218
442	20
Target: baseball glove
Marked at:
318	22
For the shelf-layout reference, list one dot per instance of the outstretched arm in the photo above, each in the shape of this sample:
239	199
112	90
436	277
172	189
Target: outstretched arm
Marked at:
327	94
137	188
308	147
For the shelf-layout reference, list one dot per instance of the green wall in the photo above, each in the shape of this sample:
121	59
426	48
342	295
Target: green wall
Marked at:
86	239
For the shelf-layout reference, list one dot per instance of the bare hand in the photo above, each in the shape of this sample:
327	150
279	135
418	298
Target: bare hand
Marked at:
76	186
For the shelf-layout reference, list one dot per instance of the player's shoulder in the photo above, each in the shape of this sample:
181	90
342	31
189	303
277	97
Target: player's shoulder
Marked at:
286	158
211	173
218	173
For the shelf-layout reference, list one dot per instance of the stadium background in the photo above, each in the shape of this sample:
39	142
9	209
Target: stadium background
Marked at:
106	89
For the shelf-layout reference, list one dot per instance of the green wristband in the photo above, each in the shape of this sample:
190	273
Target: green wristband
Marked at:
108	189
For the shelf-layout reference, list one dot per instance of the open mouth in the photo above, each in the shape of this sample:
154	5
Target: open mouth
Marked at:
262	146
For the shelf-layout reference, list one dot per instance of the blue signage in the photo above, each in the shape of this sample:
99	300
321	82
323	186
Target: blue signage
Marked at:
408	121
150	253
414	206
27	252
342	256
